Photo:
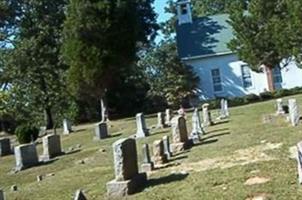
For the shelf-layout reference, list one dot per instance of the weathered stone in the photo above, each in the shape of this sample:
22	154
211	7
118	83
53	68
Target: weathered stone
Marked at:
206	115
26	156
66	127
127	179
5	148
197	130
166	142
168	117
2	197
51	146
142	130
179	134
279	105
299	161
101	130
147	164
159	156
79	195
160	120
294	113
224	110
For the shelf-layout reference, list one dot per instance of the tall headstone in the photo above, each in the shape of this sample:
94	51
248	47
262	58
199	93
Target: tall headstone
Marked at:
2	197
101	130
79	195
147	164
294	113
224	110
207	121
279	105
141	128
127	179
179	134
5	148
168	117
299	161
26	156
159	156
166	142
51	146
197	130
67	129
160	120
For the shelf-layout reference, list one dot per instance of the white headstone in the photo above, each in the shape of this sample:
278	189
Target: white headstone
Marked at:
224	110
197	130
206	115
66	127
141	130
279	104
160	120
294	113
168	117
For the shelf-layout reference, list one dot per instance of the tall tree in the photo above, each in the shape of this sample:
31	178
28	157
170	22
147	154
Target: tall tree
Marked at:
101	39
33	65
270	32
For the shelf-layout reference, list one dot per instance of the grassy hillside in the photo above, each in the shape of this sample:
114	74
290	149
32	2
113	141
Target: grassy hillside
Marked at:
232	152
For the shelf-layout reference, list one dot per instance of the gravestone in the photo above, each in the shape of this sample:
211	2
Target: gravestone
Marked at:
127	179
224	109
2	197
179	134
160	120
207	121
168	117
147	165
141	129
51	146
5	148
159	156
79	195
101	130
26	156
66	127
294	113
167	150
299	161
279	105
197	130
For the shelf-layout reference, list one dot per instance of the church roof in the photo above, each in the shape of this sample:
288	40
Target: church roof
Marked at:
206	36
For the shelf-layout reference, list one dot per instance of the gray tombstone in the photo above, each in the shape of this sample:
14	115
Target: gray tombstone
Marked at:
79	195
206	115
127	179
26	156
141	130
166	142
168	117
197	130
51	146
5	148
2	197
279	105
179	134
294	113
101	130
159	156
67	129
299	161
160	120
224	110
147	165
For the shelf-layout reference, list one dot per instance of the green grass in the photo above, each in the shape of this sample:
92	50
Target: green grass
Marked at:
244	130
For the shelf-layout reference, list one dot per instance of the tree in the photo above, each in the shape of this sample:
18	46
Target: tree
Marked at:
168	76
33	65
268	33
101	39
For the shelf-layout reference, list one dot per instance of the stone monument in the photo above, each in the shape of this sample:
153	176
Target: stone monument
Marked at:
141	130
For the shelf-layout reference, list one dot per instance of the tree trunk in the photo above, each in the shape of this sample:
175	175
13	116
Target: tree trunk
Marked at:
49	120
270	77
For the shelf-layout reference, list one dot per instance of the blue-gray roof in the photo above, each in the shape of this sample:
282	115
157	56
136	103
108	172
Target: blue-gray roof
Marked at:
204	37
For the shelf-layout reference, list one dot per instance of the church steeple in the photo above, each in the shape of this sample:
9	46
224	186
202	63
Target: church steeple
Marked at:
184	12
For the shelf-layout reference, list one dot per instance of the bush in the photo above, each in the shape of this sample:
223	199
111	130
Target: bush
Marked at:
26	133
282	93
251	98
266	95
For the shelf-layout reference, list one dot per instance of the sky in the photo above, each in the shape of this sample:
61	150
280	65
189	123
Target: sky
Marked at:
159	6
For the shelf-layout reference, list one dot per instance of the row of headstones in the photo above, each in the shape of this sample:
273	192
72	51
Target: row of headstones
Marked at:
26	154
292	109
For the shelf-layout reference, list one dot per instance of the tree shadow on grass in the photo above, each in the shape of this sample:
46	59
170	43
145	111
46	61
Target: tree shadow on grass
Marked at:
221	122
203	142
177	158
158	132
217	130
216	135
166	180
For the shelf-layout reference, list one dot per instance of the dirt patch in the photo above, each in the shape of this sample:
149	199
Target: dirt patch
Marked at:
239	157
261	196
256	180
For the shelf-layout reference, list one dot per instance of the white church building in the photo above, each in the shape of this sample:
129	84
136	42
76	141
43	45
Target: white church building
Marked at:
202	44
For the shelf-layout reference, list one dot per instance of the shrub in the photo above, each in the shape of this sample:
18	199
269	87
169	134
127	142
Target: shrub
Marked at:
266	95
282	93
251	98
236	101
26	133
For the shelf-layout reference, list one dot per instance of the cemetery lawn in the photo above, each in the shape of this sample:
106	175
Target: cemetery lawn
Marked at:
232	152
